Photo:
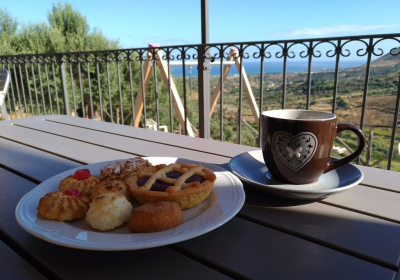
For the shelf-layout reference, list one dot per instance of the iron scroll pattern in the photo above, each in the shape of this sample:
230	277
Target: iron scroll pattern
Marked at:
337	46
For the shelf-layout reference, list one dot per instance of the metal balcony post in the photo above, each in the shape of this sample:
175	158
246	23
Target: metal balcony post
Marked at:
64	87
204	69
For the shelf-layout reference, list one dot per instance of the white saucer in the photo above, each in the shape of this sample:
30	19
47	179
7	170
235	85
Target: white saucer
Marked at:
250	168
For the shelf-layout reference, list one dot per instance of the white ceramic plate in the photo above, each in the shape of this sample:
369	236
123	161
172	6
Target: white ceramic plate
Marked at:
226	199
250	167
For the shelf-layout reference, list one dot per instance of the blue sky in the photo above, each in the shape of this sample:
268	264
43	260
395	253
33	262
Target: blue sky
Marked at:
137	23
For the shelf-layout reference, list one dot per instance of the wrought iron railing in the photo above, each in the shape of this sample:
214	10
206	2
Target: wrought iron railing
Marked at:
124	86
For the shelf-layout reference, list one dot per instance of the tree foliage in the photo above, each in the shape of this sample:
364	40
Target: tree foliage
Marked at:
104	82
66	30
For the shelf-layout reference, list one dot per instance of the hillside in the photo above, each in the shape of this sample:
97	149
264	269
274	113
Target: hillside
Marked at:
387	60
380	105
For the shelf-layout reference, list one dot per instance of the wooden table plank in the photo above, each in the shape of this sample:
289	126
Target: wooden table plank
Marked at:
351	231
258	252
35	118
373	176
386	251
224	245
228	247
193	143
380	178
360	235
125	144
57	261
31	162
12	266
371	201
67	148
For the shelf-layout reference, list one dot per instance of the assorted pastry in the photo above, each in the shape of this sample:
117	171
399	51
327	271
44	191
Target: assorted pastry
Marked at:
63	206
122	169
111	186
108	211
82	181
185	184
162	190
156	216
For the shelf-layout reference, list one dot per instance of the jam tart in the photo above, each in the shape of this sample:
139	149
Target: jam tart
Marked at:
186	184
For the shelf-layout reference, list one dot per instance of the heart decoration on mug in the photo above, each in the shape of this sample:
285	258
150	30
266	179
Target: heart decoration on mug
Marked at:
294	151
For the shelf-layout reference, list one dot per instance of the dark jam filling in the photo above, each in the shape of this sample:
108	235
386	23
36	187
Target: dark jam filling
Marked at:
160	186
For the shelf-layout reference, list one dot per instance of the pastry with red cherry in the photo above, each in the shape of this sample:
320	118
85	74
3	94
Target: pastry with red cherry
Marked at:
82	181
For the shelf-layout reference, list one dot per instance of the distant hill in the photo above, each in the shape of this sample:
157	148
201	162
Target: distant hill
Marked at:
387	60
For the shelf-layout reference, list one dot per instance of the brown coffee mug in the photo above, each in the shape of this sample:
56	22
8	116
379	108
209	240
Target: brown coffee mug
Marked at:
297	144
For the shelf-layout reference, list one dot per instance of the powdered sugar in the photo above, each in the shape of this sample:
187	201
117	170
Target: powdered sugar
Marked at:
122	169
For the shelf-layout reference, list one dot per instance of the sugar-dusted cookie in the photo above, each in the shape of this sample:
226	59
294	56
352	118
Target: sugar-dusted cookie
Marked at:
122	169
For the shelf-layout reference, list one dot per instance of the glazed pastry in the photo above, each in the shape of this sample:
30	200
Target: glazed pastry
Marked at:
108	211
122	169
82	180
186	184
115	186
156	216
63	206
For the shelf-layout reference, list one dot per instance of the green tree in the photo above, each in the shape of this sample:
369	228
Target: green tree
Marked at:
8	31
66	30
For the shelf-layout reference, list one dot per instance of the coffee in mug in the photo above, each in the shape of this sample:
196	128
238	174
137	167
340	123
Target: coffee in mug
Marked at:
297	144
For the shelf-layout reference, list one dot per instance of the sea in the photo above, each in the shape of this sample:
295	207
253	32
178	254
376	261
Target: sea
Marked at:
253	67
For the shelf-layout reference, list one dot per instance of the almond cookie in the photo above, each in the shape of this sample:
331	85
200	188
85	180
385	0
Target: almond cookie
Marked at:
111	186
156	216
63	206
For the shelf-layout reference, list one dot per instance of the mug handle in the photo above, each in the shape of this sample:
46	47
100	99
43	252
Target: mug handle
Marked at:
361	145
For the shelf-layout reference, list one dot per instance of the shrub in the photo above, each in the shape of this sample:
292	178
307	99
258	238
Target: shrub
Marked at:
341	103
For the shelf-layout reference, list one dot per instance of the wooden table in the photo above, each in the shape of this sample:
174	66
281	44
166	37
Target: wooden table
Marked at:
352	235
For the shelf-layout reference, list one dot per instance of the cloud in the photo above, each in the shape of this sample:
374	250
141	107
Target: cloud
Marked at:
332	30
